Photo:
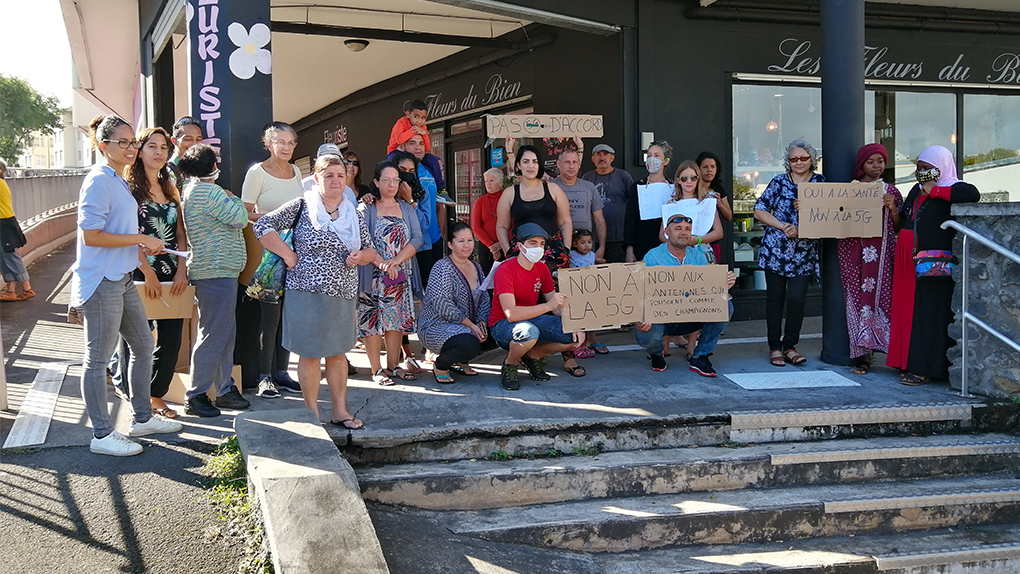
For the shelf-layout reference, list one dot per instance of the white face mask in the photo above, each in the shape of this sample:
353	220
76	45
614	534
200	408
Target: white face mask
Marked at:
653	164
533	254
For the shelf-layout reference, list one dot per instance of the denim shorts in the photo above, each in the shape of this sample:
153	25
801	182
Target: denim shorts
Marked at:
545	328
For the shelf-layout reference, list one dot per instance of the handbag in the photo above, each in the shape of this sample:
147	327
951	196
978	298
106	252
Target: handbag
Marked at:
11	234
270	276
935	263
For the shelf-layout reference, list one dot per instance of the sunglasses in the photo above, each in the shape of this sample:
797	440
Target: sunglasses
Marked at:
800	159
680	219
685	178
353	162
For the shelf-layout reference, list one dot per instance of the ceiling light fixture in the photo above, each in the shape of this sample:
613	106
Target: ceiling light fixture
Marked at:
356	45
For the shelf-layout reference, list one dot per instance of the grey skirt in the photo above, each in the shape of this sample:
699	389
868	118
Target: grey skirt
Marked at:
316	325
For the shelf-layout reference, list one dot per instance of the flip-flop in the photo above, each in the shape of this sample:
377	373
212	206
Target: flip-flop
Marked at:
166	413
467	371
584	352
343	423
600	349
412	366
405	376
574	370
382	379
446	379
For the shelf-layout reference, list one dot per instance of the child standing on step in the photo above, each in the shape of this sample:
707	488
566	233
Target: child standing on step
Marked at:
582	255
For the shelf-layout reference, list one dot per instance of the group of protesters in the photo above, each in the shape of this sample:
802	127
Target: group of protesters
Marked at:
366	263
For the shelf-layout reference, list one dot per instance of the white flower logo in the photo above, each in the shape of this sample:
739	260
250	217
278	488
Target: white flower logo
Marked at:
250	54
870	254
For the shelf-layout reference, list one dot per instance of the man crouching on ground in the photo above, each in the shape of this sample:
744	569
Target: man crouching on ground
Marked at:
649	336
518	322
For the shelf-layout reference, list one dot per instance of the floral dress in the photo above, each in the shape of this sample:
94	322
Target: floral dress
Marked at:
160	221
388	307
786	256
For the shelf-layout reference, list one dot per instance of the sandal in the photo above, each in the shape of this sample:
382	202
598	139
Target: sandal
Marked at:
575	371
913	380
446	379
355	424
403	374
382	379
465	370
584	352
794	358
26	294
776	358
166	413
10	296
862	368
411	366
600	349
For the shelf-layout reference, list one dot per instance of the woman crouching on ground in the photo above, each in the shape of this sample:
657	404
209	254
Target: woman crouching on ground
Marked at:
331	240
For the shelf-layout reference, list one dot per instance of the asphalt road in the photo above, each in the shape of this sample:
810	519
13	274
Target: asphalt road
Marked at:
68	511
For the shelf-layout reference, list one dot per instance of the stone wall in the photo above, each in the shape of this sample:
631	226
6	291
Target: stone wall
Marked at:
994	297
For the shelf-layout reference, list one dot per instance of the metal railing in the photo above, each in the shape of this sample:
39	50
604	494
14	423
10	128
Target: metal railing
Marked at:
968	234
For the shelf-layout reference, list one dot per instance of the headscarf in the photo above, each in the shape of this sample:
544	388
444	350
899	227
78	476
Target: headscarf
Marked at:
345	226
941	158
864	154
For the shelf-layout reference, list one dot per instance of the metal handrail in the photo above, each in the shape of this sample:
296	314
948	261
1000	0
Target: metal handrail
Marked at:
969	233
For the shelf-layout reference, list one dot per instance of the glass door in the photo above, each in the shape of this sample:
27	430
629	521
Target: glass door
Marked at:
467	178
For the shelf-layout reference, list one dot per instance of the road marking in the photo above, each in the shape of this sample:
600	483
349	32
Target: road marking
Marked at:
740	341
33	421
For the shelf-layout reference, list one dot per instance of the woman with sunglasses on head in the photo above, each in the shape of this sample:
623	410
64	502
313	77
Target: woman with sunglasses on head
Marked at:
267	186
788	261
103	292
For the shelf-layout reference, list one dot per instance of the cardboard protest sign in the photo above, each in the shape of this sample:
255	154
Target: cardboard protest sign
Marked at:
543	126
652	197
686	294
602	296
702	212
840	209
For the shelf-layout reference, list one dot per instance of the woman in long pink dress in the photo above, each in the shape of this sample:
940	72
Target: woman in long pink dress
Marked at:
866	268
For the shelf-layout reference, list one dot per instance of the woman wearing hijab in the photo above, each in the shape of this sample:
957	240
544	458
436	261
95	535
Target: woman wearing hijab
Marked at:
320	307
922	284
866	267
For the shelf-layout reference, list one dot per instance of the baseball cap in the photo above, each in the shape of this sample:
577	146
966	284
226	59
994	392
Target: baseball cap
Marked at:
328	149
528	230
679	217
603	147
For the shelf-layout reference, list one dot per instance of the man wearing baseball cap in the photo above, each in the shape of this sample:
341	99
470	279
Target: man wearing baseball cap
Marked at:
612	185
528	329
328	149
675	252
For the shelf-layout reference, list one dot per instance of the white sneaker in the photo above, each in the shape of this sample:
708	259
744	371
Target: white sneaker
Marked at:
155	425
115	444
267	388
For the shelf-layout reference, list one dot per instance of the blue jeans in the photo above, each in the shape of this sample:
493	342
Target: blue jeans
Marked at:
651	339
545	328
212	358
113	311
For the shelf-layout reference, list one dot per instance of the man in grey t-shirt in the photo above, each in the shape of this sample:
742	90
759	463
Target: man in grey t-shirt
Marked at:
585	201
612	185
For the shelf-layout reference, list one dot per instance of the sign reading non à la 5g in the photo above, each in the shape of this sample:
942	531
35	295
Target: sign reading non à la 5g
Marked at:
602	296
543	126
840	209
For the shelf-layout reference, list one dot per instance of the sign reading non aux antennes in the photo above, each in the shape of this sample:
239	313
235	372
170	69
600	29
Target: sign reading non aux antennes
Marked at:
543	126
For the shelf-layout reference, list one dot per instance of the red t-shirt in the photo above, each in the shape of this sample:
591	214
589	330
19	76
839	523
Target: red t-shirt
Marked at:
526	285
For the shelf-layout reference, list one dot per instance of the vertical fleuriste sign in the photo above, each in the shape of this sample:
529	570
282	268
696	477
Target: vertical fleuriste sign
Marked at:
231	65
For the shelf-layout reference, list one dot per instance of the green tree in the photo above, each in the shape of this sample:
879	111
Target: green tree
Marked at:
22	111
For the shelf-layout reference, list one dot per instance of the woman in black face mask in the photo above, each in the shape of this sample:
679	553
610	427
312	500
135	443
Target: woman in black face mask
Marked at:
922	279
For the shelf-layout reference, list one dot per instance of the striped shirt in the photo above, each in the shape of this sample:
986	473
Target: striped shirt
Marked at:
214	221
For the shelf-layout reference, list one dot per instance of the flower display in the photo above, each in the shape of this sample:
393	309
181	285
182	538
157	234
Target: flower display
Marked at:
250	53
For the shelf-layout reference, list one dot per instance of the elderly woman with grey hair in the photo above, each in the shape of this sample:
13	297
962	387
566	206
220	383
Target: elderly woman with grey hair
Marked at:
788	261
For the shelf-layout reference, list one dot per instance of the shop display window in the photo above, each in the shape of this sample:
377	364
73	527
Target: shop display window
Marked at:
991	146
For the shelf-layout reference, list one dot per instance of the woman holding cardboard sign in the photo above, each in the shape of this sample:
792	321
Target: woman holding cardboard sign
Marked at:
788	260
866	268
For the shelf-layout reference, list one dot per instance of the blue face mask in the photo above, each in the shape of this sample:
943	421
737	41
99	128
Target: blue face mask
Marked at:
924	177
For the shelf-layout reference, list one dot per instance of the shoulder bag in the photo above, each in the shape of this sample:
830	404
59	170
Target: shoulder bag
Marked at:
270	276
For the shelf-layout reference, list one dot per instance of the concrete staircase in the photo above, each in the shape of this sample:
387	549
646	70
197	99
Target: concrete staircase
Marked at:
927	488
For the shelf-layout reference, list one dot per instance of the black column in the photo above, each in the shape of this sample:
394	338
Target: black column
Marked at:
231	83
842	136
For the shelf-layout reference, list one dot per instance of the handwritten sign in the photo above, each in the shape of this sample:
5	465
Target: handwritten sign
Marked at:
542	126
840	209
702	212
652	197
686	294
602	296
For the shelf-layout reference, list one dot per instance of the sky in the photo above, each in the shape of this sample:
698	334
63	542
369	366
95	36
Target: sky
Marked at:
33	46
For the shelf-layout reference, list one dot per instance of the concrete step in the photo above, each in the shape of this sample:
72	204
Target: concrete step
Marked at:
537	437
478	484
980	550
747	515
